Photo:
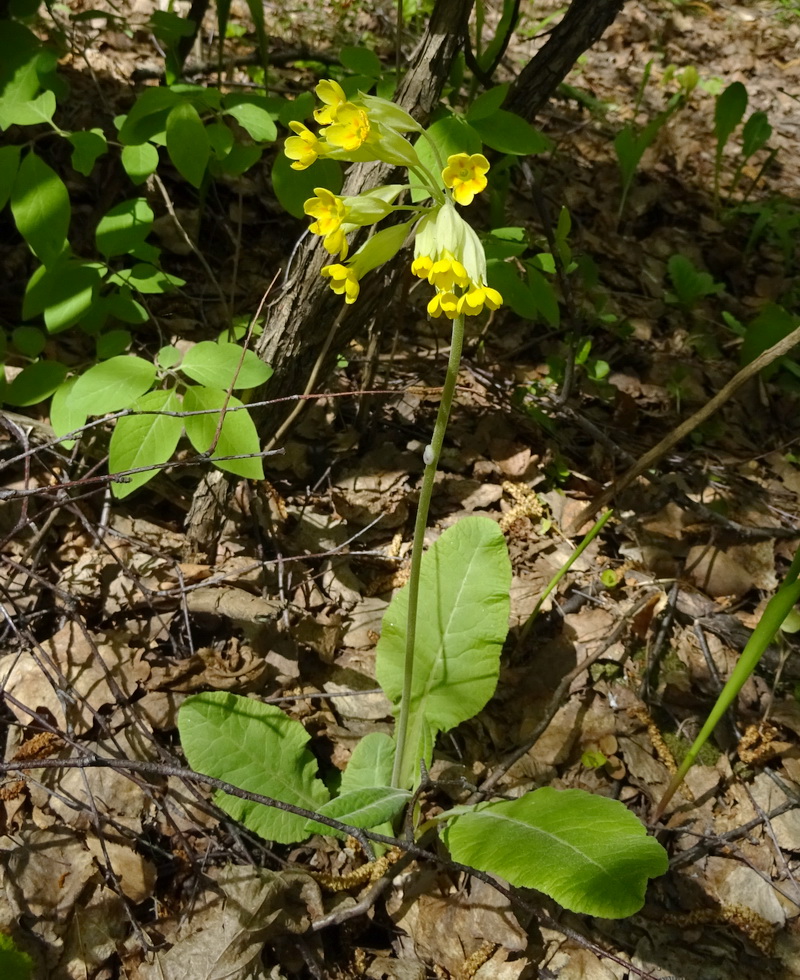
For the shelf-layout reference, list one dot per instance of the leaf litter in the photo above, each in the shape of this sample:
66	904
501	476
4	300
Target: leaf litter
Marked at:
107	873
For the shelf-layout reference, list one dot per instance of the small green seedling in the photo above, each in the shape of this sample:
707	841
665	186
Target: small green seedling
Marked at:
689	284
728	113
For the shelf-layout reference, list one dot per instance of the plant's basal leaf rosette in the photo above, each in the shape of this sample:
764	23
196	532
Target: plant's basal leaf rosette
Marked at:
587	852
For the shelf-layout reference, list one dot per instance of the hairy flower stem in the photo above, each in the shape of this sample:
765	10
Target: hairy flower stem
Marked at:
426	492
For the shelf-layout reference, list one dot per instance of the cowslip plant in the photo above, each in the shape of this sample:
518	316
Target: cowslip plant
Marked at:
438	657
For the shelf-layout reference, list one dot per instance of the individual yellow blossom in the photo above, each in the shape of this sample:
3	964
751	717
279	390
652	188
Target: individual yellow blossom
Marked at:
447	272
330	211
465	174
446	303
304	148
332	94
344	281
421	266
351	128
473	301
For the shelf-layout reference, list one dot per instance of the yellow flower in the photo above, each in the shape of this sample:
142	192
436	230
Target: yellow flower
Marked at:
330	211
466	175
421	266
446	303
344	281
304	148
447	272
473	301
351	128
332	94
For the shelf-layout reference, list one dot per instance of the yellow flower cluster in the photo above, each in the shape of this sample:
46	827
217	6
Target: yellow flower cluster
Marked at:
447	251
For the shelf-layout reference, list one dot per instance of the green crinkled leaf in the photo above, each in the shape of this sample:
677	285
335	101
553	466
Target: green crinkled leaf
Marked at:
587	852
252	113
370	764
462	622
187	143
139	161
41	208
112	385
144	440
86	148
34	383
509	133
124	227
294	187
258	748
366	808
224	365
237	435
9	165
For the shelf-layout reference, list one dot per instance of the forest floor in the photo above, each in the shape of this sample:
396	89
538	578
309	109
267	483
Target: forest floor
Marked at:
109	874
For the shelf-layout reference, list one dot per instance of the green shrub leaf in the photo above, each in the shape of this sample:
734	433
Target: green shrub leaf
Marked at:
40	204
148	115
509	133
124	227
112	385
218	366
69	292
187	143
237	435
252	113
258	748
146	278
144	440
294	187
139	161
29	341
35	383
487	103
451	134
86	148
516	294
63	416
33	113
587	852
361	61
462	622
9	165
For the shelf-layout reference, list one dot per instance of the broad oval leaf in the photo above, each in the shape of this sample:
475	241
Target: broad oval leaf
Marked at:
112	385
488	102
224	366
139	161
294	187
63	417
462	622
87	146
40	205
251	112
66	291
144	440
509	133
237	434
187	143
587	852
35	383
124	227
728	112
258	748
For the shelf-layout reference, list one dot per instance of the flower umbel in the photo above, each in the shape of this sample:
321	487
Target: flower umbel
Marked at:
350	129
465	174
304	148
330	211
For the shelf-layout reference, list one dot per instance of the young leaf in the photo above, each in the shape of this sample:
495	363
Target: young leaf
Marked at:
370	764
86	148
690	285
258	748
124	227
728	112
362	808
237	435
9	164
139	161
544	296
361	61
462	622
756	133
41	209
587	852
218	366
144	440
35	383
187	143
509	133
112	385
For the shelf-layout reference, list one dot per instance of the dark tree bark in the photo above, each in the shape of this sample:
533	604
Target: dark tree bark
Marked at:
580	27
300	323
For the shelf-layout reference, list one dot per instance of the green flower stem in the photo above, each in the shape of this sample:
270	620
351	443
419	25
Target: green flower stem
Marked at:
421	524
428	181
